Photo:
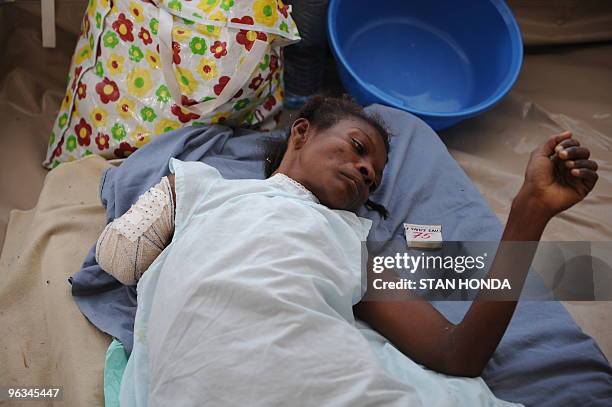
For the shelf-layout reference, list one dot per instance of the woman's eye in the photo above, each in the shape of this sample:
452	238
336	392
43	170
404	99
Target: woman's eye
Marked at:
358	146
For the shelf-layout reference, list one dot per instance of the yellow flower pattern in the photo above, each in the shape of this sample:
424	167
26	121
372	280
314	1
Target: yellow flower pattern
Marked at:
211	31
220	117
91	8
66	101
126	108
181	34
83	54
139	82
217	16
186	81
98	116
208	5
140	136
115	64
137	12
265	12
152	59
166	125
207	69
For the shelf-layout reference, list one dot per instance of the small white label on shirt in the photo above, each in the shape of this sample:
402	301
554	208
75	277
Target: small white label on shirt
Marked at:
423	236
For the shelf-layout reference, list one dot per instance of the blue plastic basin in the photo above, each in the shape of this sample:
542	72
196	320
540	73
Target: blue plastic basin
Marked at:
444	61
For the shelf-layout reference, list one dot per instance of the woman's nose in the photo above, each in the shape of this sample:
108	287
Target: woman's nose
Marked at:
367	171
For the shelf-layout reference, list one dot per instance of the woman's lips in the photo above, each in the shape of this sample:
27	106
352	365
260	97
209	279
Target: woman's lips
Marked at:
355	184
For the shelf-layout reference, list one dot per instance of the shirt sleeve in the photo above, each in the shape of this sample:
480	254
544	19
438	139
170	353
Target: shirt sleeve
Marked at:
192	183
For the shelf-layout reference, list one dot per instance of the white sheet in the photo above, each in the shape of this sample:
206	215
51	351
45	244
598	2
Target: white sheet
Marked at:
254	307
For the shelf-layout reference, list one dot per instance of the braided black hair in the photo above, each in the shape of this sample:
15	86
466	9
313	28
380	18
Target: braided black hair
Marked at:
322	113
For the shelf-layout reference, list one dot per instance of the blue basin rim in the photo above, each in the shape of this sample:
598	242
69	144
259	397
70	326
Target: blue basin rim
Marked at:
515	33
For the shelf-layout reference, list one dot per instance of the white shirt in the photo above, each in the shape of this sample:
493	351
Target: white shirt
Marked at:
251	305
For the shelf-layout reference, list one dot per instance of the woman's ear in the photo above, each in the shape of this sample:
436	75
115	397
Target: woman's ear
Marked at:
300	131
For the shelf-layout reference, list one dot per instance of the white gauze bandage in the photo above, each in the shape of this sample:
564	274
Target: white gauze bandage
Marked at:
129	244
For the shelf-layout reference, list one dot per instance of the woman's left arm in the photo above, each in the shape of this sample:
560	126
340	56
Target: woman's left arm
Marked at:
559	175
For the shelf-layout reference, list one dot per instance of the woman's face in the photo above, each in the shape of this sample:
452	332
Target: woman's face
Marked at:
341	165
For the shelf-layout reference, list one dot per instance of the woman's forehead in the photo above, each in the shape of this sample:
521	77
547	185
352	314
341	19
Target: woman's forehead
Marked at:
369	131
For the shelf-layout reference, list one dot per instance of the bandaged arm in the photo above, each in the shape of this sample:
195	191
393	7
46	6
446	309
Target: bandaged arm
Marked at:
129	244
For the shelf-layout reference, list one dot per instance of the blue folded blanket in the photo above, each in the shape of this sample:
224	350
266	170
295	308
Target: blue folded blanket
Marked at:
544	358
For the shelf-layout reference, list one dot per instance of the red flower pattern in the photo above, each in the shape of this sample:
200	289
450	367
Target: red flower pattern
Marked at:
219	49
83	132
82	91
269	103
108	90
248	37
123	27
77	72
176	52
248	20
218	88
102	141
187	101
58	150
284	10
183	116
124	150
238	94
256	82
273	63
145	36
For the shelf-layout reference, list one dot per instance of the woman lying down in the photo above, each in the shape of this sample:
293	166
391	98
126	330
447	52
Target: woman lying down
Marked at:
252	287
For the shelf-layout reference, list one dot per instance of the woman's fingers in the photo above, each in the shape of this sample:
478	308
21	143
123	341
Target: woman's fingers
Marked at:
587	175
574	153
588	164
566	144
548	148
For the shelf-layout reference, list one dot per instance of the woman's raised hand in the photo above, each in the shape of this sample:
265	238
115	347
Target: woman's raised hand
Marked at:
559	175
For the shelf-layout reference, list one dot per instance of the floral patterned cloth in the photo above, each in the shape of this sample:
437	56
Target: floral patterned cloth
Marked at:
117	99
